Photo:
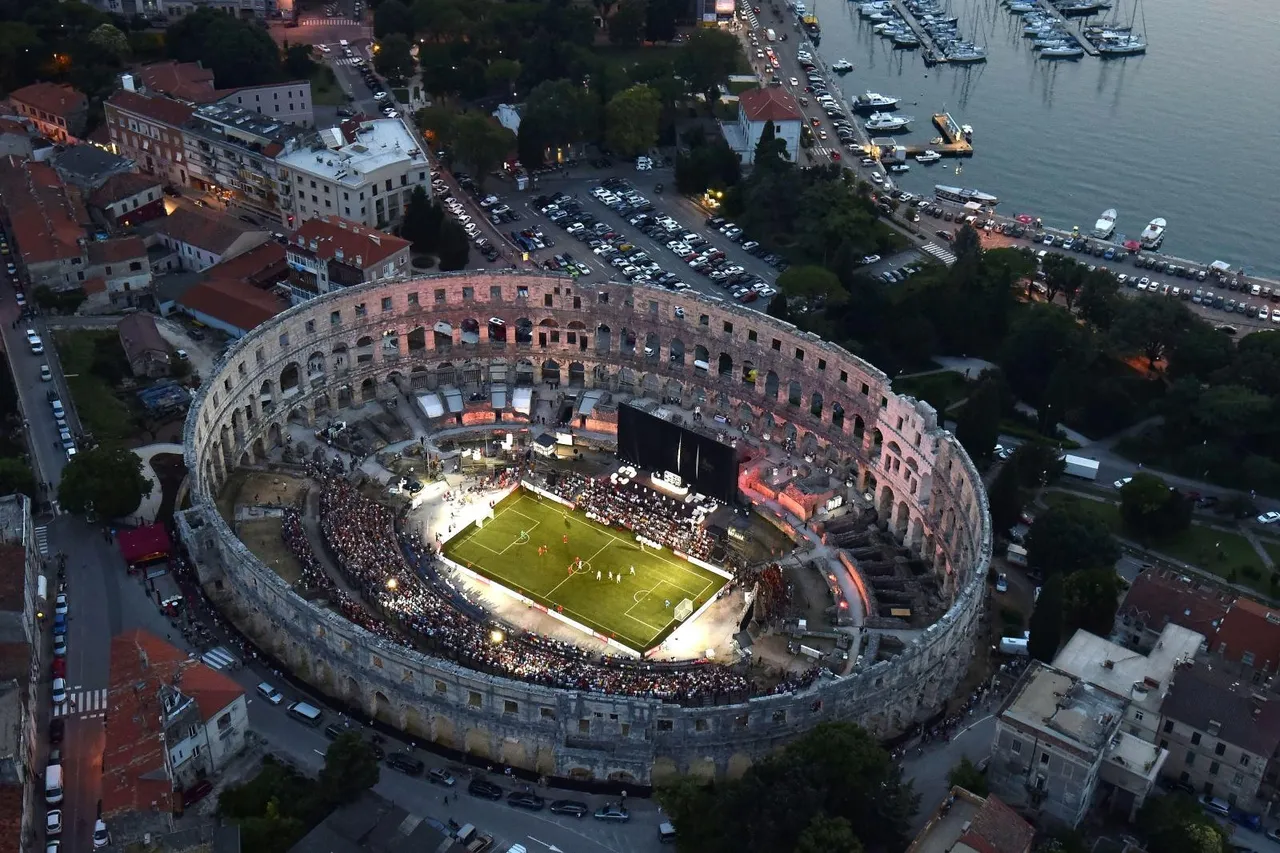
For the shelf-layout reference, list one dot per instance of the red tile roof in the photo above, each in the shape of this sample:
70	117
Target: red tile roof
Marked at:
56	99
771	104
159	108
333	234
139	336
13	125
233	301
117	250
996	828
123	186
1249	628
48	217
214	233
186	81
1158	597
11	803
134	776
263	265
94	285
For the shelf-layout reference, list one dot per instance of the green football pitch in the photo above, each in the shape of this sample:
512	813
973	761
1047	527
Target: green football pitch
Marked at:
637	611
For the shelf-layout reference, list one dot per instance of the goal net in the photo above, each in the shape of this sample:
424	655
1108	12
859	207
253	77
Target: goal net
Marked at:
683	610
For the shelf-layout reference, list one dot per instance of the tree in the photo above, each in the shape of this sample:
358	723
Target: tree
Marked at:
350	769
454	247
778	307
502	74
1062	274
393	58
298	62
239	53
771	152
660	24
1005	499
1099	299
811	288
557	113
16	476
969	777
421	224
828	835
707	59
391	17
631	121
1149	326
1089	601
1038	464
111	40
1039	339
627	25
1175	823
437	123
1067	538
107	480
978	424
481	142
1046	620
710	165
1150	509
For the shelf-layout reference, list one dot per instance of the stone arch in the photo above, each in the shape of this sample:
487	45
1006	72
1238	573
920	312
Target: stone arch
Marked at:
290	378
416	340
894	448
414	724
702	768
478	743
622	776
341	357
274	437
445	373
524	331
550	370
674	389
496	330
577	374
749	373
677	352
316	364
604	339
524	372
884	507
548	331
443	731
351	691
837	416
345	397
739	763
859	426
626	380
390	343
795	393
664	769
652	347
513	753
469	331
323	675
545	761
745	414
701	354
651	384
364	349
815	404
877	438
266	393
397	381
368	390
900	519
383	710
724	365
627	342
771	384
442	336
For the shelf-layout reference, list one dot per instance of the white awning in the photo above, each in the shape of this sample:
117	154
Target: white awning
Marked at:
453	400
522	400
588	402
499	397
430	405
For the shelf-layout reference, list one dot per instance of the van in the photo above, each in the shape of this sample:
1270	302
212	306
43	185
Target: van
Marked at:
53	784
343	43
306	713
275	697
666	833
466	833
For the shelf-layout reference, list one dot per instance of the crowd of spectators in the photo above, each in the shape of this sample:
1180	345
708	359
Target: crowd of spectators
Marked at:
664	519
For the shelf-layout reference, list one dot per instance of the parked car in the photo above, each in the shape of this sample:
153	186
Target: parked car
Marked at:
405	763
526	800
613	812
441	777
572	808
485	790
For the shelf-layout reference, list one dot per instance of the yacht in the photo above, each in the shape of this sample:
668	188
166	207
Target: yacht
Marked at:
1062	51
844	66
1153	234
1131	46
887	122
900	167
928	156
967	53
873	102
1106	224
907	39
964	196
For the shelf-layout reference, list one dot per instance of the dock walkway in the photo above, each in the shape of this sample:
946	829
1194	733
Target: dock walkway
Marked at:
1071	26
927	44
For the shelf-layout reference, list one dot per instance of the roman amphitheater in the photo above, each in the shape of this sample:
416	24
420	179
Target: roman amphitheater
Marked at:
912	538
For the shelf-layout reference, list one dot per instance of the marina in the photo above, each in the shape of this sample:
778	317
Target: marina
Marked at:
1067	25
928	47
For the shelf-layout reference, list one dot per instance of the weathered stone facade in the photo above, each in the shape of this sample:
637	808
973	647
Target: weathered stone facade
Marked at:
377	341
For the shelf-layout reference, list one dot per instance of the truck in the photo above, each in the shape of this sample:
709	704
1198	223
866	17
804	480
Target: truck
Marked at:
1079	466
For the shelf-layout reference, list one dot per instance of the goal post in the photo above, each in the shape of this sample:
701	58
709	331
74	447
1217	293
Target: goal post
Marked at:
683	610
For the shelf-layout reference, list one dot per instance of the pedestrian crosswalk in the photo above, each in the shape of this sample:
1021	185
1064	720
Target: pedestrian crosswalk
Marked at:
42	540
346	60
83	703
322	21
945	255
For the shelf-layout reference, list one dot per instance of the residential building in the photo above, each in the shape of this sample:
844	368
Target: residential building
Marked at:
128	199
197	240
1058	745
363	172
192	83
372	824
189	82
231	152
1159	597
15	137
329	252
57	111
148	130
88	167
1249	638
47	221
117	275
147	351
24	604
756	109
172	722
1222	735
285	102
1144	679
966	823
237	294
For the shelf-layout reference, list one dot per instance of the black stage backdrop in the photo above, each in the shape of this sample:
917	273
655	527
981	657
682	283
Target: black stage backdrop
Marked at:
653	444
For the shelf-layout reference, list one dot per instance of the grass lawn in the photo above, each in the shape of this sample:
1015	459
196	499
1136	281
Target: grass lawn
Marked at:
94	363
635	610
940	390
1228	555
325	89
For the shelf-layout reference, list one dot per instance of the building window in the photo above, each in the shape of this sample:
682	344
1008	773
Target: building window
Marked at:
509	707
224	722
311	327
441	687
1137	715
474	699
284	340
361	310
1238	780
1220	748
728	327
495	293
751	335
335	318
1044	758
413	298
1213	768
1168	726
1195	738
1247	659
1016	747
704	320
1244	760
799	354
1191	757
386	304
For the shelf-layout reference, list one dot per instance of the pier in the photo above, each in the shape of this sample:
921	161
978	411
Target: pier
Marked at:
1071	27
927	45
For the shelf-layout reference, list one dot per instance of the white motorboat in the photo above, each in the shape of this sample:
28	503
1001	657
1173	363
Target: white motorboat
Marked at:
873	102
1106	225
1153	234
898	168
962	195
1062	51
887	122
929	156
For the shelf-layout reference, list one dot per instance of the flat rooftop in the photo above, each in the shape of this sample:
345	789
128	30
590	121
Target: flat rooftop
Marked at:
1136	755
1140	678
377	144
209	116
1060	704
13	519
